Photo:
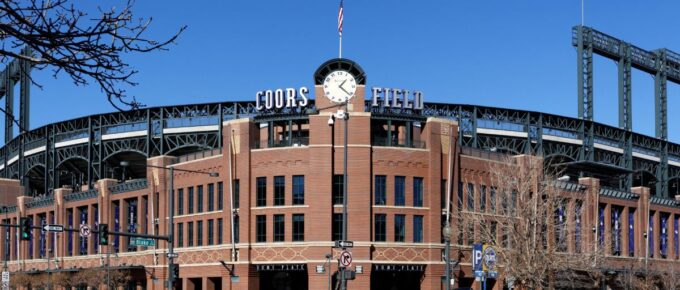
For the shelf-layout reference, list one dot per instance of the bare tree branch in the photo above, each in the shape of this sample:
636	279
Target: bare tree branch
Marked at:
88	48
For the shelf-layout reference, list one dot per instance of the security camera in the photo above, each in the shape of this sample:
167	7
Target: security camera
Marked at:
331	120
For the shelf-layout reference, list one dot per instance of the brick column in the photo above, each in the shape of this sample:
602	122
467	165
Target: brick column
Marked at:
60	219
641	220
590	213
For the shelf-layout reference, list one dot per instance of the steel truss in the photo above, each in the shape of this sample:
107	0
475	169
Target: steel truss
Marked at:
663	64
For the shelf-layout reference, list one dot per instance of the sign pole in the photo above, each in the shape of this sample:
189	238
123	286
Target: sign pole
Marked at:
171	226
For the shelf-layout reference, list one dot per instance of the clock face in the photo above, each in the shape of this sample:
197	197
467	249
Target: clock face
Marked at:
339	86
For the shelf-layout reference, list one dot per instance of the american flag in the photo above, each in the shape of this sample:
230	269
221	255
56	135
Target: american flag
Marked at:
340	16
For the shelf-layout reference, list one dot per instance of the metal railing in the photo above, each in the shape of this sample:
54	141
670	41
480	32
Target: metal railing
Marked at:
82	195
40	202
617	193
130	185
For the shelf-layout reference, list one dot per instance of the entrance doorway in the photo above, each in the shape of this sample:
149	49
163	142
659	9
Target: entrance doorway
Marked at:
396	277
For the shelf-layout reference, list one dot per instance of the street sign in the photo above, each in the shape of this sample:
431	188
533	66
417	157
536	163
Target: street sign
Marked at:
477	257
53	228
344	244
134	241
5	276
85	231
173	255
345	259
479	274
489	258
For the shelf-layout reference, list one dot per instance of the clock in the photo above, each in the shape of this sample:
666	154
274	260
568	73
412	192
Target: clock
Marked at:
339	86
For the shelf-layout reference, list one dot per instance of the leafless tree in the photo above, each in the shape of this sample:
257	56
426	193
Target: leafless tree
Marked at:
87	47
530	224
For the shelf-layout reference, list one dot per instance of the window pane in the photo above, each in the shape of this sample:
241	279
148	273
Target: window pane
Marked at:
338	184
200	198
399	188
279	190
211	224
220	195
180	201
418	191
180	235
418	229
190	200
211	197
279	228
298	189
298	227
492	199
337	226
219	229
199	235
261	191
380	190
190	234
482	198
399	228
261	228
470	197
237	235
380	227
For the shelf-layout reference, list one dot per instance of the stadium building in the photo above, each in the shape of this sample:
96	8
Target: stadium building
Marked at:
257	186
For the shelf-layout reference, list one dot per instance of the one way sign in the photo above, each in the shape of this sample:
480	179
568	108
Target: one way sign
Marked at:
53	228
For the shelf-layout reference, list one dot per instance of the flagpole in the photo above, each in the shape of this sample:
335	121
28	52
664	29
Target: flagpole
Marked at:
340	53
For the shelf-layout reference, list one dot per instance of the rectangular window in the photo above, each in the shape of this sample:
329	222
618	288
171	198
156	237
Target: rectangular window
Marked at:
380	190
616	212
418	229
261	228
298	189
180	235
279	228
399	190
180	201
219	230
220	195
261	188
577	226
298	227
200	198
399	228
337	226
190	234
190	200
482	198
380	227
338	185
237	235
211	197
211	231
199	235
631	232
418	191
279	190
492	199
236	192
470	197
460	196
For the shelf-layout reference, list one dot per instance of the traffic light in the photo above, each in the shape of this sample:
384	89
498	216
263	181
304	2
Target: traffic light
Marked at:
103	232
174	271
25	224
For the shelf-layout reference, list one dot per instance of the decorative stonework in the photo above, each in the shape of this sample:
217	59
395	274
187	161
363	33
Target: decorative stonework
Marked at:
278	254
399	254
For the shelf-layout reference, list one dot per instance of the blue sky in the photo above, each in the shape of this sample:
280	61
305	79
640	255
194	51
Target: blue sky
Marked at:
514	54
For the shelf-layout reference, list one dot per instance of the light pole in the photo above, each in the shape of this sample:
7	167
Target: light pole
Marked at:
446	232
343	281
4	267
171	211
328	260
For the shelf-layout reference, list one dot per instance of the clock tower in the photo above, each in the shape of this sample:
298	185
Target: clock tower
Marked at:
338	80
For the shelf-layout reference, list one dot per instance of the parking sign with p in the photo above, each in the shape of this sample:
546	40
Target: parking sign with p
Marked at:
477	256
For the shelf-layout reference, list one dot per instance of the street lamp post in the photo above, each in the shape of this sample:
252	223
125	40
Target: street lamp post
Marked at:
446	232
4	267
343	276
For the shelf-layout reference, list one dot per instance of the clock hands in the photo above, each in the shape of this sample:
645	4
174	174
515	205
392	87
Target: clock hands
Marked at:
343	89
